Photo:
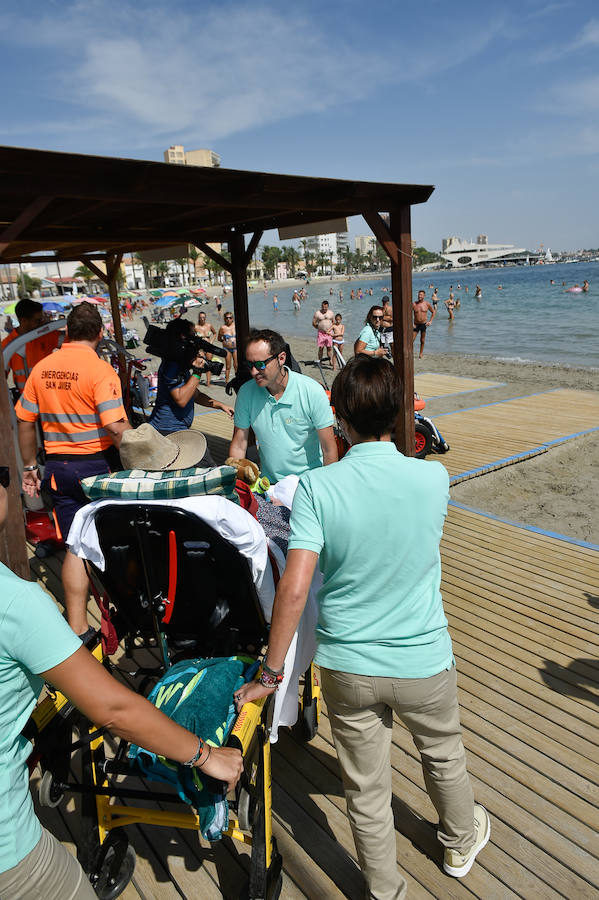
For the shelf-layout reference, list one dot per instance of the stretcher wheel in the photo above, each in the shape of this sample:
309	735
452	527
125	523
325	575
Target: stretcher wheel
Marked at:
48	794
244	815
109	884
309	720
424	440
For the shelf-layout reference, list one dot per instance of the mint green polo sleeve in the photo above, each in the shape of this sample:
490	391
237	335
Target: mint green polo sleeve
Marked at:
306	529
242	407
39	636
322	413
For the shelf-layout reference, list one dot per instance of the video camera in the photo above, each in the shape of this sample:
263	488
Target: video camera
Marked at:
182	348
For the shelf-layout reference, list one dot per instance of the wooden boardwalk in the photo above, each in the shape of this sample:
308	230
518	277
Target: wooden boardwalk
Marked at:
522	609
495	435
431	386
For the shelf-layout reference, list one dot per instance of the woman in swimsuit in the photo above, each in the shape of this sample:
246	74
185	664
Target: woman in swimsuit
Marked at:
226	336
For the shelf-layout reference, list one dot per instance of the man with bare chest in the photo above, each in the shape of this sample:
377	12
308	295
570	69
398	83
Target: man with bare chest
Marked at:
421	309
207	331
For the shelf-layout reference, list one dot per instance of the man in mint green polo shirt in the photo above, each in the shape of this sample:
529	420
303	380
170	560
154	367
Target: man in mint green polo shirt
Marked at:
289	413
373	522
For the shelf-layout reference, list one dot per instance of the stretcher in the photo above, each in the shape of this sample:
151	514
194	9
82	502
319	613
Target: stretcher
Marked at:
174	585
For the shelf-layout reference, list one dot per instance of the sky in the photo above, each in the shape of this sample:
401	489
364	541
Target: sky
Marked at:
496	104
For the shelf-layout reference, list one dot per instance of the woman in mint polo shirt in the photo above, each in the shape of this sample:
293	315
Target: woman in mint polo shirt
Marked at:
374	521
36	644
369	339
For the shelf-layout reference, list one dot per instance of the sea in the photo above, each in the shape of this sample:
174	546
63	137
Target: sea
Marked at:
527	320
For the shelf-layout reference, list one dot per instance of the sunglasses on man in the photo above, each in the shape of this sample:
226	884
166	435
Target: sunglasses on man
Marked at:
260	364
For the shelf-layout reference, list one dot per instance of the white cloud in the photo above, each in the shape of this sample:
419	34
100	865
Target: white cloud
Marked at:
149	74
576	97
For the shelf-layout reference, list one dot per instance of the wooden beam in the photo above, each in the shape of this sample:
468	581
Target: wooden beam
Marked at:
23	220
403	353
103	276
252	247
13	549
214	255
380	230
240	290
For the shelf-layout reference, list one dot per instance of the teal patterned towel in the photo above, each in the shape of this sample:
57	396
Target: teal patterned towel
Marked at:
198	694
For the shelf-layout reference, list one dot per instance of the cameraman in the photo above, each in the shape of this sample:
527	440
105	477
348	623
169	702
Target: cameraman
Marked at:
178	378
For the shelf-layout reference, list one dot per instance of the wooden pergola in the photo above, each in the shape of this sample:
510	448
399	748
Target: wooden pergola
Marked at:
57	207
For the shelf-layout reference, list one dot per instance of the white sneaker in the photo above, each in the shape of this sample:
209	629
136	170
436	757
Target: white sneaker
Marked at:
459	864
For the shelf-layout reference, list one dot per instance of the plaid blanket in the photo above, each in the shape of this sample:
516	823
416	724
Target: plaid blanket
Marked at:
136	484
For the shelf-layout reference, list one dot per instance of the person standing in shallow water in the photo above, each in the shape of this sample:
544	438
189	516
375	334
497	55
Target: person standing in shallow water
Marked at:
421	309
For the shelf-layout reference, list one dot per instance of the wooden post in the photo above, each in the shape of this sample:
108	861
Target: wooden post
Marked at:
13	548
403	343
240	289
113	262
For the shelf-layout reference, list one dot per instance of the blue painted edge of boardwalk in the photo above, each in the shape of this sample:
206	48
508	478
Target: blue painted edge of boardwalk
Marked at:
532	451
533	528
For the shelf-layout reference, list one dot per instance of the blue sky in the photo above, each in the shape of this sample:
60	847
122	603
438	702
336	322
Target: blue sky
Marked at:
495	104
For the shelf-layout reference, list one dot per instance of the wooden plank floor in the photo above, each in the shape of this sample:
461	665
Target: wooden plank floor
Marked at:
431	386
522	609
490	437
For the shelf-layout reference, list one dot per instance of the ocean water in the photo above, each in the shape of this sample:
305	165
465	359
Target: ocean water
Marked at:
528	320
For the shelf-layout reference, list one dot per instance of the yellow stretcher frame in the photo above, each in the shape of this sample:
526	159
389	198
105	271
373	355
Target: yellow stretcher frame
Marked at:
250	727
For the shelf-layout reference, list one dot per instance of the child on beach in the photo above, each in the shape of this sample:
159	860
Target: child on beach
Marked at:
338	335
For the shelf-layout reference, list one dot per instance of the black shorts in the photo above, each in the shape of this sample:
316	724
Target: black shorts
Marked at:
420	326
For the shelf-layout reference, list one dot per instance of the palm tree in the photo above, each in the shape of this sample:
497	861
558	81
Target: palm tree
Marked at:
162	269
87	275
193	255
321	261
347	257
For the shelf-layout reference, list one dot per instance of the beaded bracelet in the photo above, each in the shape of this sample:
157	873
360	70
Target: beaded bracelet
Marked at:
270	681
270	671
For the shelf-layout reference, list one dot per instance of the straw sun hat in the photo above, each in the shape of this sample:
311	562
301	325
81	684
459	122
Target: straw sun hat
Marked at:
145	448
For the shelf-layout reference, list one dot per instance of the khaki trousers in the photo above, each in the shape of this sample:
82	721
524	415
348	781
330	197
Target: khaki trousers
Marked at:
49	872
361	714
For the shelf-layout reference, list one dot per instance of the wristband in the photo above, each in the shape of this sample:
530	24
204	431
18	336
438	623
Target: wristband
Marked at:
273	672
196	375
200	764
270	681
196	755
30	468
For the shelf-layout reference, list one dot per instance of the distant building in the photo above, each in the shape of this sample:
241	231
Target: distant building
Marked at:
177	155
459	253
333	245
365	243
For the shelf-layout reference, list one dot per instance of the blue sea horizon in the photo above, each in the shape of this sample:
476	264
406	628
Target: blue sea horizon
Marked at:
529	320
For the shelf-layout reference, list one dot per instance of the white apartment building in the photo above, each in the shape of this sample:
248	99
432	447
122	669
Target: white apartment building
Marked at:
178	156
333	245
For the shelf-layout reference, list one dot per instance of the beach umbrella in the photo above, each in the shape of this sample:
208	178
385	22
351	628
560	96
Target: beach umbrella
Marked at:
156	292
53	306
125	295
9	308
95	301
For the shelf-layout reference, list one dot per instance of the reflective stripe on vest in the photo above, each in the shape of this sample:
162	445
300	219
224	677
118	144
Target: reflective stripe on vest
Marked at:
81	438
71	418
30	406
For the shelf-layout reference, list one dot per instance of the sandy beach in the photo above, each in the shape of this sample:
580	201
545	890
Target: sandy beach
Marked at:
555	491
